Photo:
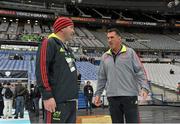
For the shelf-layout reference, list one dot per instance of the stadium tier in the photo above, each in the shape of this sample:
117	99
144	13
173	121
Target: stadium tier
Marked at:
160	74
90	71
90	38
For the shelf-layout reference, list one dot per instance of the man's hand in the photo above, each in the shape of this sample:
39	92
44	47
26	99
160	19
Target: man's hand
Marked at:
144	94
97	101
50	105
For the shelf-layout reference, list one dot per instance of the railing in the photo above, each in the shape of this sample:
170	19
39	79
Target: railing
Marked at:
170	87
165	93
159	97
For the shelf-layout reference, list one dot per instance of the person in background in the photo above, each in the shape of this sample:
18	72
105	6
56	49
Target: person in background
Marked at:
16	57
20	92
171	71
27	99
79	76
8	100
13	86
88	93
79	79
31	98
1	101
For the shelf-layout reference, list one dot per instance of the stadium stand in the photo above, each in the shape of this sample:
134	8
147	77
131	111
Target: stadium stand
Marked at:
46	29
4	26
79	32
88	70
32	33
86	38
88	33
160	74
101	36
27	29
134	44
3	36
20	29
89	38
37	29
174	36
144	41
12	28
158	41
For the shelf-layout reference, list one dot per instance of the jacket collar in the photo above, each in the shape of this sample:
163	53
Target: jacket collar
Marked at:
58	40
123	49
53	35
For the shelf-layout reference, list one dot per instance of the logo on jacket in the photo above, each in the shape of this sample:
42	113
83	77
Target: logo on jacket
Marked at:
61	50
56	115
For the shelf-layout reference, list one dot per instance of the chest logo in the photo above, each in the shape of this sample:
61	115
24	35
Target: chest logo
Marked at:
61	50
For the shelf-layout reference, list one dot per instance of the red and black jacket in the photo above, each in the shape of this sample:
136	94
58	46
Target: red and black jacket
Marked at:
56	71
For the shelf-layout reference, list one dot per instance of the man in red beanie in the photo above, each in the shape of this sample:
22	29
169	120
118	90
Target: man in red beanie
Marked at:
56	74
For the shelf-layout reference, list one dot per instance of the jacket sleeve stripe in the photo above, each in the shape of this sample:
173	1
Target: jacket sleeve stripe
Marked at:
142	66
43	65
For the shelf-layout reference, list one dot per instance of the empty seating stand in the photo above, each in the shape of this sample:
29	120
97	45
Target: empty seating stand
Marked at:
160	75
27	29
4	26
37	29
159	41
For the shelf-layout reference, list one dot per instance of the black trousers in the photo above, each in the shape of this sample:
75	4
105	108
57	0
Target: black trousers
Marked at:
65	113
88	99
1	108
124	109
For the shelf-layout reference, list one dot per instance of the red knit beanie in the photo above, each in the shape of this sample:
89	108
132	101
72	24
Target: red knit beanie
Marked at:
61	23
